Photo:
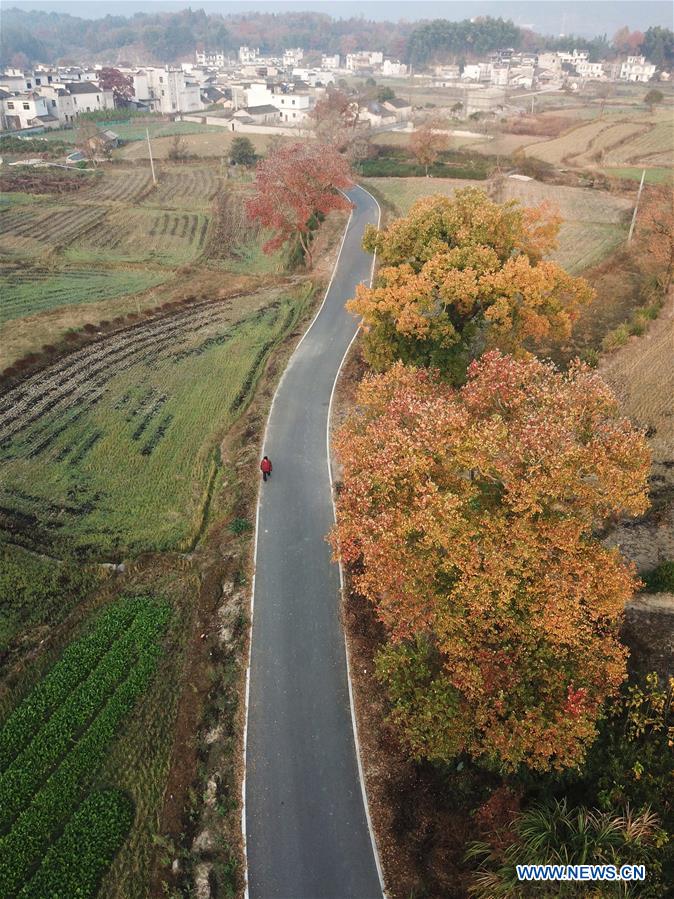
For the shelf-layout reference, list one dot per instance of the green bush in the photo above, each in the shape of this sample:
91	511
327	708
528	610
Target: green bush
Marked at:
661	579
240	526
616	338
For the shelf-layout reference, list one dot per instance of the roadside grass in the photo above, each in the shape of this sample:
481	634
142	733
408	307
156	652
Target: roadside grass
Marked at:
120	458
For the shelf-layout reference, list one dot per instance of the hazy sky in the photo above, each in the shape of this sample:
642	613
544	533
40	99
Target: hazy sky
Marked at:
545	16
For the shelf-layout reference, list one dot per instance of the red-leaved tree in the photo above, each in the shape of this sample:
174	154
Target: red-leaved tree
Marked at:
293	185
469	517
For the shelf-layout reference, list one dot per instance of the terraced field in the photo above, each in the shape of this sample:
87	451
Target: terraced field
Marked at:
595	222
27	230
633	138
58	832
186	187
111	450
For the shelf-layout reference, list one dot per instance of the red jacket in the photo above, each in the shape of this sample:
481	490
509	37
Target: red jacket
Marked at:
265	465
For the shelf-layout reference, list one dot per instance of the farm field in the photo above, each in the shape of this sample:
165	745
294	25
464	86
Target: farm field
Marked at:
24	292
595	222
132	130
642	375
59	834
635	138
111	451
105	250
124	512
214	143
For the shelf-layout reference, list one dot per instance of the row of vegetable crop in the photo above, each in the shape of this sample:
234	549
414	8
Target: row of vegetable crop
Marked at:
79	658
31	767
56	800
74	866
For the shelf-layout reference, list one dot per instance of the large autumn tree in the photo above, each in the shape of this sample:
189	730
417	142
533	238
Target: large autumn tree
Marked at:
427	142
334	118
468	517
462	275
294	184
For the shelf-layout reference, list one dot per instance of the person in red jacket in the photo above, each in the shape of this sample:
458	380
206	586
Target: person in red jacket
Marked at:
265	467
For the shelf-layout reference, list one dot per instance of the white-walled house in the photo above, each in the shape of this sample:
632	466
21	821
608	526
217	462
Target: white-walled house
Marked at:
330	62
214	58
635	68
392	68
401	109
294	107
89	97
591	70
248	55
167	89
292	57
28	110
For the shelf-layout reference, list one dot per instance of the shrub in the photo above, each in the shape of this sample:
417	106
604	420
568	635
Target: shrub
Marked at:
616	338
240	526
661	579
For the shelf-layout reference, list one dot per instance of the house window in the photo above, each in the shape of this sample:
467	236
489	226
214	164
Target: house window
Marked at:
28	85
162	93
161	80
26	105
98	99
38	81
53	102
10	106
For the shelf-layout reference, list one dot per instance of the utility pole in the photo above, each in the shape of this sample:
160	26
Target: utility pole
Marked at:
149	147
636	208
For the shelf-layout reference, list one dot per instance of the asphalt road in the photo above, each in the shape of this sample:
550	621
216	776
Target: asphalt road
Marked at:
306	829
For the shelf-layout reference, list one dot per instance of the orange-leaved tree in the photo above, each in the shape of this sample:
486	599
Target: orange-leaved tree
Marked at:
463	275
469	519
294	184
427	142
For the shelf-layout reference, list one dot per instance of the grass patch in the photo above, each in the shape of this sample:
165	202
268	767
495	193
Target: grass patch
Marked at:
661	579
28	291
633	173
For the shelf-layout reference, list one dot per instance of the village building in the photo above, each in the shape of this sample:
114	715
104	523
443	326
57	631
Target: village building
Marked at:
167	89
635	68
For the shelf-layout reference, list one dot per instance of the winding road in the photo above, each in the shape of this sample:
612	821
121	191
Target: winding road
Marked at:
305	821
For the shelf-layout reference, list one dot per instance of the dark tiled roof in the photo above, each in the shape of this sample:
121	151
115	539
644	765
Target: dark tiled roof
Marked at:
398	103
260	110
82	87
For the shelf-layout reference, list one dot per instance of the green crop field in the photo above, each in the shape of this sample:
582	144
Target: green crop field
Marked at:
29	291
111	451
59	832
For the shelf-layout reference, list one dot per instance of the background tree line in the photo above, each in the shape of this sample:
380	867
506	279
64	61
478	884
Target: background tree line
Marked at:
34	36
